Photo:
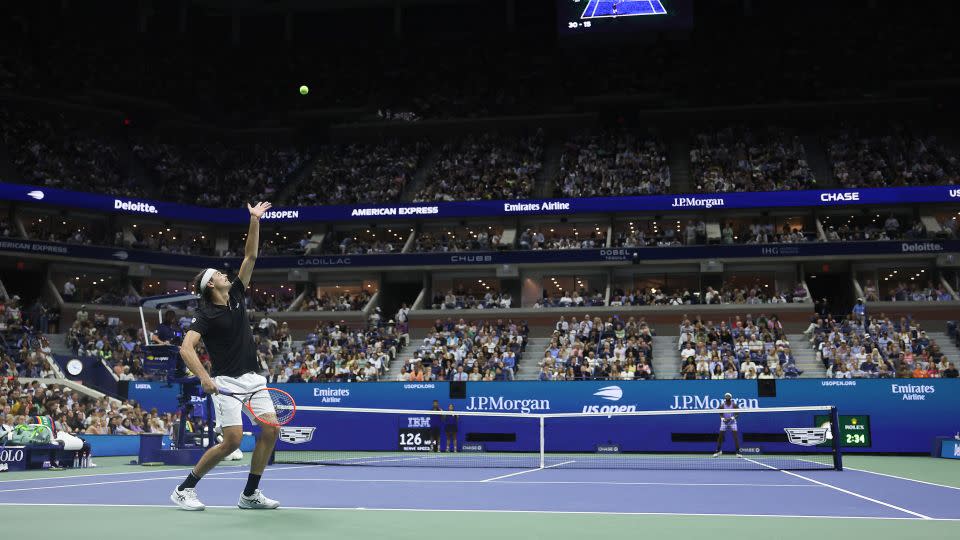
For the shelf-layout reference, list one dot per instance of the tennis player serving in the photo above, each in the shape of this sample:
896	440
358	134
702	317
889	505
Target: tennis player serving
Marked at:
221	321
728	422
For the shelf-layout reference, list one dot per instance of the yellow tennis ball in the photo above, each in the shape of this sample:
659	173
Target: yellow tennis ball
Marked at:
304	90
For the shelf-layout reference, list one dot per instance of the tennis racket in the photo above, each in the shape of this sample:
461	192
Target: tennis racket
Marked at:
283	404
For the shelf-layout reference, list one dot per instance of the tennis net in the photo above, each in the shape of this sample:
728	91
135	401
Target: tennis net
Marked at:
780	438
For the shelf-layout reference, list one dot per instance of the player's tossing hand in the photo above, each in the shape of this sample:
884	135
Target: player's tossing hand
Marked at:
258	210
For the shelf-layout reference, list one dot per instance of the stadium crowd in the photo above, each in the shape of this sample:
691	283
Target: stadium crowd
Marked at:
575	298
611	164
362	243
333	352
74	413
856	229
483	350
52	151
726	294
459	239
463	299
485	167
890	156
355	173
745	159
870	347
695	232
599	349
219	174
743	347
535	238
326	301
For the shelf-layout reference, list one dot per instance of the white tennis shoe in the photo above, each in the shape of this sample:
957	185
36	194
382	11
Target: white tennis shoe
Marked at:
186	499
718	454
257	501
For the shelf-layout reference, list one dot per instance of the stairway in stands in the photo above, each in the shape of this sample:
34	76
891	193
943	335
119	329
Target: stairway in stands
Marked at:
818	161
406	353
806	357
546	181
530	361
947	346
678	157
58	344
666	357
422	174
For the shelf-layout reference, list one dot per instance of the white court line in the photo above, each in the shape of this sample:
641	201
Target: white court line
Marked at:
584	14
144	471
538	482
486	511
131	481
595	6
903	478
527	471
841	490
893	476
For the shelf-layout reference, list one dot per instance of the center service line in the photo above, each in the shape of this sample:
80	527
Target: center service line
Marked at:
527	471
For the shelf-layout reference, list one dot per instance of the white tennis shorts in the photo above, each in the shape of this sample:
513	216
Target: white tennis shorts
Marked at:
731	425
227	409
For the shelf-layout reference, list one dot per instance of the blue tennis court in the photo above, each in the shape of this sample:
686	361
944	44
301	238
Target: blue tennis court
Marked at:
849	498
623	8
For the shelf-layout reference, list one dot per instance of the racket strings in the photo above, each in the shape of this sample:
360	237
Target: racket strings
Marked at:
283	404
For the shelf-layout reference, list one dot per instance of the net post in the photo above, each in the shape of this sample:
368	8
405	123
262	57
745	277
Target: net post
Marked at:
542	456
835	430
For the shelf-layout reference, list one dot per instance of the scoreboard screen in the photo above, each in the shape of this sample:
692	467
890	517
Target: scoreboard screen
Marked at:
854	430
610	17
415	440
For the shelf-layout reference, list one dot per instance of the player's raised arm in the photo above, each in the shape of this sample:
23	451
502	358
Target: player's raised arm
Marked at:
252	247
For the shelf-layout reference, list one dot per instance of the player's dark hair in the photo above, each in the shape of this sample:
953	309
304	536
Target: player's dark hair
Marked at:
204	293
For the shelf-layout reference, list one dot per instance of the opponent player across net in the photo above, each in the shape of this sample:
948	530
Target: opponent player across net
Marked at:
221	321
728	422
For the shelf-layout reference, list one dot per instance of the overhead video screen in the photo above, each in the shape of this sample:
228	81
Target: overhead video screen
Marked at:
596	17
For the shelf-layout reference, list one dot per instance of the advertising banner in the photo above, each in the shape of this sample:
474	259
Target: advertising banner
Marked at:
477	209
878	415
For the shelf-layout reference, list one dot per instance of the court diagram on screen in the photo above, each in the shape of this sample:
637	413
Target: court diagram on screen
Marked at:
603	9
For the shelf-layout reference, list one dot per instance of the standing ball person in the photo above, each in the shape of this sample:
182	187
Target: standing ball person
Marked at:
221	321
728	422
450	429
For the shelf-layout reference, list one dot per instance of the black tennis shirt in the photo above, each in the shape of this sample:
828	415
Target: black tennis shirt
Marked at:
226	335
